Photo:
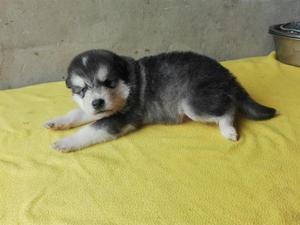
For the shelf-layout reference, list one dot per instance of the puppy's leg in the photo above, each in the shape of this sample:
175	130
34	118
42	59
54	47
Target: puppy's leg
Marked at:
226	127
90	135
86	136
225	121
74	118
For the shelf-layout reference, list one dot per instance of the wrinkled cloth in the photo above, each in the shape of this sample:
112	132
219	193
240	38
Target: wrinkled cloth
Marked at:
161	174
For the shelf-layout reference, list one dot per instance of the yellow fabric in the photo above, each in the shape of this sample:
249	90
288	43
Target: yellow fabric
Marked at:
175	174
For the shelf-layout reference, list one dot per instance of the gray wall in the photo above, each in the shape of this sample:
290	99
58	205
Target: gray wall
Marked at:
38	38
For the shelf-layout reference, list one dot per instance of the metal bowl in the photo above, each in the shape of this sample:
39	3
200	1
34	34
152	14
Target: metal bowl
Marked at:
287	42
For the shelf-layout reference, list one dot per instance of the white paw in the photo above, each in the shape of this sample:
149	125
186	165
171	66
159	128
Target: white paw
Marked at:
65	145
230	133
56	124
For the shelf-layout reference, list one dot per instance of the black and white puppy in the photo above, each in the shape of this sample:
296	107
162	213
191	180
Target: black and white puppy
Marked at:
118	94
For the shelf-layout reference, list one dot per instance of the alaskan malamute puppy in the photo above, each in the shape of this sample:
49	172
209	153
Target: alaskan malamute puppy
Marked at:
119	94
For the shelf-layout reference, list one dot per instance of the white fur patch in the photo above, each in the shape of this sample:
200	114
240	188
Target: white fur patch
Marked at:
84	60
85	137
72	119
102	73
77	81
226	127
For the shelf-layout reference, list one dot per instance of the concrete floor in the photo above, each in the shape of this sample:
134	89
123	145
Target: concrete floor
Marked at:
38	38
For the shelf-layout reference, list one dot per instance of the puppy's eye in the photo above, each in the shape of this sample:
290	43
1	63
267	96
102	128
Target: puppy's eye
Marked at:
79	91
110	83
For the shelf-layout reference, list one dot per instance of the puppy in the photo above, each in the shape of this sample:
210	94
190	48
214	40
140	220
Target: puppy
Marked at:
118	94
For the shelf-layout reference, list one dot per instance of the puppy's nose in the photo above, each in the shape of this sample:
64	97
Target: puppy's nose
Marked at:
98	103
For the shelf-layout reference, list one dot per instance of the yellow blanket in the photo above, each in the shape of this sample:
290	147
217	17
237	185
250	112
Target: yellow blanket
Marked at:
176	174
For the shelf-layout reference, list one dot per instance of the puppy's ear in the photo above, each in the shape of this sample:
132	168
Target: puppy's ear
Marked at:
129	66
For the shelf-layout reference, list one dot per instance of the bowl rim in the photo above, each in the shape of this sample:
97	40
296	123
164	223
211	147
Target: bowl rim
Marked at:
275	31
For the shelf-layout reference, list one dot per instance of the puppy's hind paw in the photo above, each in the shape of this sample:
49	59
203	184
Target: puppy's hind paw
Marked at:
230	134
233	137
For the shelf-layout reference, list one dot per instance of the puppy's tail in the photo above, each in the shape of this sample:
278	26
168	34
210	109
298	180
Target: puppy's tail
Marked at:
250	108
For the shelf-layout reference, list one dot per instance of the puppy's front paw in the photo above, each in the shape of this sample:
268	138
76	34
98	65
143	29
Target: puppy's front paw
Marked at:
56	124
65	145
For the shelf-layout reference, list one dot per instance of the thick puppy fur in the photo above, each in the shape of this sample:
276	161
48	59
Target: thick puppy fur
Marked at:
118	94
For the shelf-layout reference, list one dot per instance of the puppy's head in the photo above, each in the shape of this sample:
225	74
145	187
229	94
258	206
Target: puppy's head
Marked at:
99	81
